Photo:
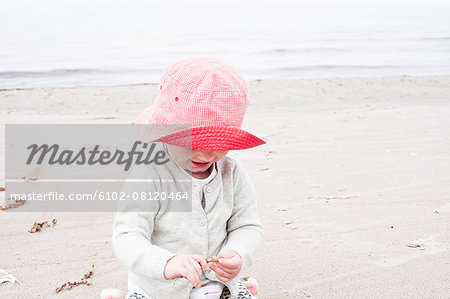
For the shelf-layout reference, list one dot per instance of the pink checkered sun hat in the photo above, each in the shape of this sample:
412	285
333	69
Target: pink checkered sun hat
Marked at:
209	96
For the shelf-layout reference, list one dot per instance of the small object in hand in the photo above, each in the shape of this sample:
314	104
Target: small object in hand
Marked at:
212	260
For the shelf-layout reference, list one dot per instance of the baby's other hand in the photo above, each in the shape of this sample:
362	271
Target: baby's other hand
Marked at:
189	266
229	265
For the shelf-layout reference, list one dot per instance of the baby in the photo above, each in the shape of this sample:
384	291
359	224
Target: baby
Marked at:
165	252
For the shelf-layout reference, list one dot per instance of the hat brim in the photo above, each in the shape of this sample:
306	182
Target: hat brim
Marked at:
213	138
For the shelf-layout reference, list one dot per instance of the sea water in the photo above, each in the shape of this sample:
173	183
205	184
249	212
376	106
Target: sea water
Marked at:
81	43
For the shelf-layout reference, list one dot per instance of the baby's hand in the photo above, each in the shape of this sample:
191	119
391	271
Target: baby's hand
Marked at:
229	265
189	266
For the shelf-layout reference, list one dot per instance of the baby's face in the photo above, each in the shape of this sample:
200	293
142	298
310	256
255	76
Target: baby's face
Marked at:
195	161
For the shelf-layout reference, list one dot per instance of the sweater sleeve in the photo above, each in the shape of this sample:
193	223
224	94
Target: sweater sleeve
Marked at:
131	239
245	231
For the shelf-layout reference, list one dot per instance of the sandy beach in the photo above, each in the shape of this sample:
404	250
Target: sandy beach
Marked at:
353	189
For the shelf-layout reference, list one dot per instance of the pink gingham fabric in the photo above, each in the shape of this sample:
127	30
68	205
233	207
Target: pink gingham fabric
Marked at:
208	95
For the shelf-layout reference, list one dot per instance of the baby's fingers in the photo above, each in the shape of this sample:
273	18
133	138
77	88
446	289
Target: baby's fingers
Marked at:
230	262
190	274
201	260
224	268
220	274
195	270
196	267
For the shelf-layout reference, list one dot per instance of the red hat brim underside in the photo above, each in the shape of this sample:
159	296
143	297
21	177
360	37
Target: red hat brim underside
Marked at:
213	138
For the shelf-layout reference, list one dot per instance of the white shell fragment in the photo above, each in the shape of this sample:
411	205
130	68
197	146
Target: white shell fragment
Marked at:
6	277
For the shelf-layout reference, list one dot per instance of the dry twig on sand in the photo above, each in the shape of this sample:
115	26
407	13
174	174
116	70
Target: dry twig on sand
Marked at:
17	204
411	245
69	285
37	226
29	179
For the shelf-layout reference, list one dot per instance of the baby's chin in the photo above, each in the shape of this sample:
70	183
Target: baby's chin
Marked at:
202	171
